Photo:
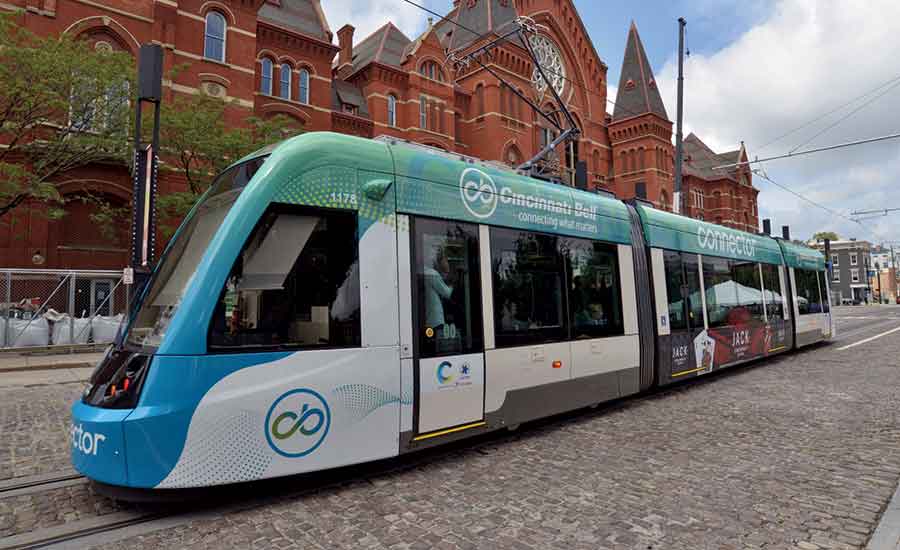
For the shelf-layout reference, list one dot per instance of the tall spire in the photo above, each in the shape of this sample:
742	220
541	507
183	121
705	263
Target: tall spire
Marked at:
638	93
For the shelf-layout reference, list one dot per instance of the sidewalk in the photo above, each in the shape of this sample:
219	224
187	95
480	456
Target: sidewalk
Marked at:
26	369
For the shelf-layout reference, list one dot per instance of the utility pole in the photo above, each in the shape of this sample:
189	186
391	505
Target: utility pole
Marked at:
679	152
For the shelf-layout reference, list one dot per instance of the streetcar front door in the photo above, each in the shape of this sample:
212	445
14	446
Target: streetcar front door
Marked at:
448	339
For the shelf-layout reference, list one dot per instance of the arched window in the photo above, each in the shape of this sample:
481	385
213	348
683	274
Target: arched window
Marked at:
392	110
285	88
265	80
431	70
304	86
214	37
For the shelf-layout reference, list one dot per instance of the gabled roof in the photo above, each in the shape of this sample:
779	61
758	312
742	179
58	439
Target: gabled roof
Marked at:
699	160
344	92
386	46
474	19
302	16
638	93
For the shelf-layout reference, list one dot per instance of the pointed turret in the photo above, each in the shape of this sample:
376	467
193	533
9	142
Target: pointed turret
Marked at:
638	93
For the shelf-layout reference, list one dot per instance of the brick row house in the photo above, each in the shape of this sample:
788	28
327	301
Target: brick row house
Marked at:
272	57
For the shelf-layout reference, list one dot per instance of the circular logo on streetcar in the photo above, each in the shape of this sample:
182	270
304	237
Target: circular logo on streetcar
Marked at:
445	372
478	192
297	423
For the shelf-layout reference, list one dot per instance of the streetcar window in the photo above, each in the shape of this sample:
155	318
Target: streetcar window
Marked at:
683	289
823	291
748	287
448	288
295	284
183	255
595	302
772	291
721	292
808	299
528	276
676	290
692	281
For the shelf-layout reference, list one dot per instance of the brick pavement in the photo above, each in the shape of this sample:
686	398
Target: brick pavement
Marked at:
800	453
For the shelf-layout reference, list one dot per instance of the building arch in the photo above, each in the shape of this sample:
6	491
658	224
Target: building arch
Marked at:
76	186
289	110
218	6
512	155
108	25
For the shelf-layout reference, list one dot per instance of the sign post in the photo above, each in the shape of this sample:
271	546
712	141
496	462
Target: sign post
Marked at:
146	160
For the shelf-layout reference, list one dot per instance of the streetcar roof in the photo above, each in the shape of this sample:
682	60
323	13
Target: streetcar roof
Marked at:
667	230
802	257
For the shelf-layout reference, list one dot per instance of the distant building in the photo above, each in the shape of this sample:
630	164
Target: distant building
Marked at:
850	263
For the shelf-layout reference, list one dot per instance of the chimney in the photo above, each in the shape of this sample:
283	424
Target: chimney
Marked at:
345	41
786	232
767	227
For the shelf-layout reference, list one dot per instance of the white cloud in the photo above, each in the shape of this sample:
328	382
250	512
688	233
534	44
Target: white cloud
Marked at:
806	58
368	15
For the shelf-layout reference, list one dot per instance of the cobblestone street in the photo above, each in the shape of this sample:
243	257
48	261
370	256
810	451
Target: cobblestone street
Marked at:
796	453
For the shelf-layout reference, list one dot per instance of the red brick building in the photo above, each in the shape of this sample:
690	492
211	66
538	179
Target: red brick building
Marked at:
281	56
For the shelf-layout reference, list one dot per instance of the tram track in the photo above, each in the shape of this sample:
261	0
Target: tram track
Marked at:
27	485
77	532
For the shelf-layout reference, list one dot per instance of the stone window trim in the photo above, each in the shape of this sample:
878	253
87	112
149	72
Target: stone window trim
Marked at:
854	258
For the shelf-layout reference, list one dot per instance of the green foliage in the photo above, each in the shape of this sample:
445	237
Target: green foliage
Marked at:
822	235
197	140
62	105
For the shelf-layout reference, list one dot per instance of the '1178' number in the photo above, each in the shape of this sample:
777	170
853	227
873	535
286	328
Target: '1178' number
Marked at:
341	197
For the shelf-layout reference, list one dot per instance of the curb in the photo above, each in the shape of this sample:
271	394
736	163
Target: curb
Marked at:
53	366
887	532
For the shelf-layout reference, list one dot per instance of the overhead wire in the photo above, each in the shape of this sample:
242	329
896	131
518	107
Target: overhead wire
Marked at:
848	115
829	113
761	173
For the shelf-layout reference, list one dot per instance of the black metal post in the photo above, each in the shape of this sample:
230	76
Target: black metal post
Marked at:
679	148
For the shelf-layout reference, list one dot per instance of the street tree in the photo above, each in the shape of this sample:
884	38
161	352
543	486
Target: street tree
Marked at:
197	142
822	235
63	105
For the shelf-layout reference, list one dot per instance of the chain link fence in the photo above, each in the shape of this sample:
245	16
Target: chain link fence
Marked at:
43	307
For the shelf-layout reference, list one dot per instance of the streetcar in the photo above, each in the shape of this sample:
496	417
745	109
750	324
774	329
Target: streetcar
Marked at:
334	300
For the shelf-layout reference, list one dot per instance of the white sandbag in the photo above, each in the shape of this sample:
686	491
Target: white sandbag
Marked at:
23	333
82	331
104	329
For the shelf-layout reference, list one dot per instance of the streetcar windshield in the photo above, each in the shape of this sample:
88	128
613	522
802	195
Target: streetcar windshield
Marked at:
178	265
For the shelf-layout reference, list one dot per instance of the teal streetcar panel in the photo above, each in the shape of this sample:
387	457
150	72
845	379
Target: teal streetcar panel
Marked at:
666	230
802	257
431	184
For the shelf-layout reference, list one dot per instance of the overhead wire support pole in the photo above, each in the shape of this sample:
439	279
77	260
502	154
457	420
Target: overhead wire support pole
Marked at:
882	211
679	146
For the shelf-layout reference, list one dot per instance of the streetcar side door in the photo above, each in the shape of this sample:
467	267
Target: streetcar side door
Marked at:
447	356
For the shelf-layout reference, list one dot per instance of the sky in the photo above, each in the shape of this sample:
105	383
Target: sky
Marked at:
758	69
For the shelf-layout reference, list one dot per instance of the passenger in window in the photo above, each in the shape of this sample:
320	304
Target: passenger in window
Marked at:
436	291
